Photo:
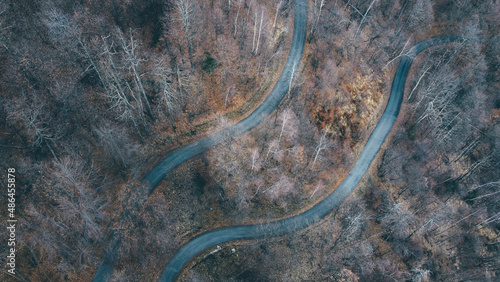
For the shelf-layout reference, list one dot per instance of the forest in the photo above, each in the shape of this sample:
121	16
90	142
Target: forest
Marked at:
94	94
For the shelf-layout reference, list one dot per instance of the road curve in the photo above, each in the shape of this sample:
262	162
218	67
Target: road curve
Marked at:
180	155
320	210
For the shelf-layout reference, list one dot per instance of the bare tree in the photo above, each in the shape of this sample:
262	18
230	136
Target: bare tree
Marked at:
64	31
34	117
292	76
278	7
123	99
260	31
420	274
485	190
317	9
69	221
73	189
482	163
117	144
362	20
402	53
417	16
185	9
353	219
130	47
61	28
226	166
434	220
323	144
437	108
283	123
289	125
184	82
169	96
109	65
236	18
256	163
393	161
254	31
398	222
282	187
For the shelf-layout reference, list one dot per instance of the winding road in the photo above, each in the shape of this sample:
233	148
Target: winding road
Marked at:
180	155
323	208
317	212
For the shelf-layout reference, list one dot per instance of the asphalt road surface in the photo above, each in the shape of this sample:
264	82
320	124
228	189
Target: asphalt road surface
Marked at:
320	210
281	227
